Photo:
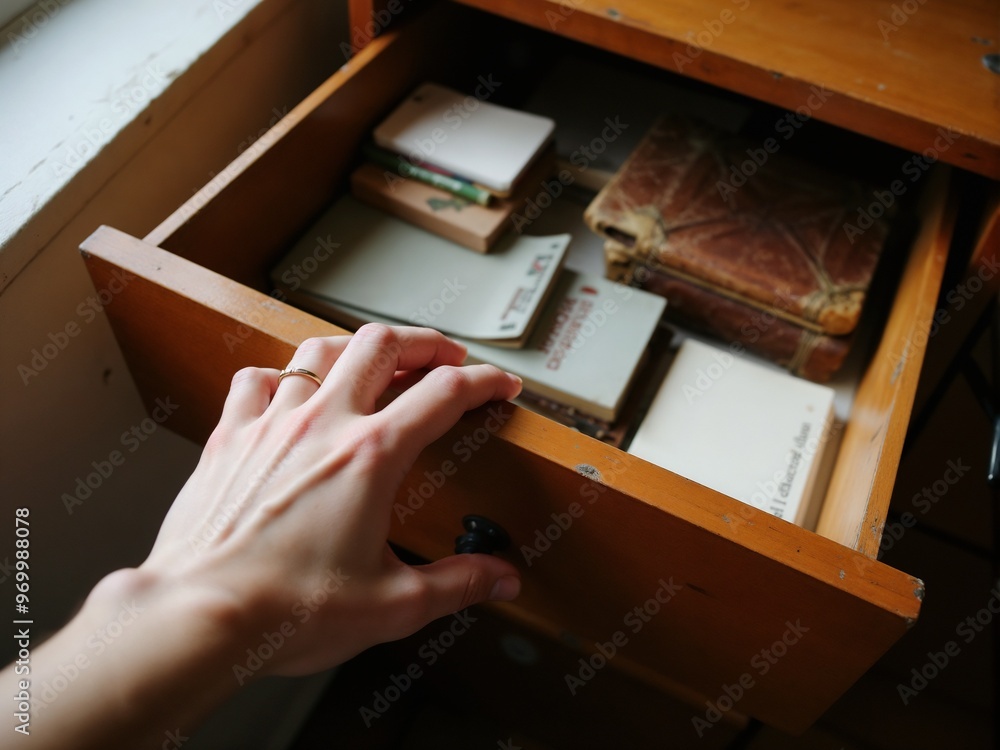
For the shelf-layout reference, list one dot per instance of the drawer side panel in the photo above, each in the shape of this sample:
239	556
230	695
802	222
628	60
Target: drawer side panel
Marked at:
857	501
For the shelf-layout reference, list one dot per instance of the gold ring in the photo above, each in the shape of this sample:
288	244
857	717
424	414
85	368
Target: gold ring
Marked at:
300	371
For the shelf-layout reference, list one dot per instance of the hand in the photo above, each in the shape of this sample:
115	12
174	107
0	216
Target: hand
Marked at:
289	505
291	501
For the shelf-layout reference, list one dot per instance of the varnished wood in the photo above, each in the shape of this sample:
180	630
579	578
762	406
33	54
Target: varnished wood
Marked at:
181	313
367	19
898	86
873	441
744	574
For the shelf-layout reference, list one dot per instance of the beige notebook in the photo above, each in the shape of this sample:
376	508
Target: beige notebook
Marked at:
362	257
468	136
750	432
586	349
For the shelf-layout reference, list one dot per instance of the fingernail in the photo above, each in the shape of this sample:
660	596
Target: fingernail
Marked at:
506	589
515	378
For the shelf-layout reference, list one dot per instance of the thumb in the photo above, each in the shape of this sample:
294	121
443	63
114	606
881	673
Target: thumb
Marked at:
454	583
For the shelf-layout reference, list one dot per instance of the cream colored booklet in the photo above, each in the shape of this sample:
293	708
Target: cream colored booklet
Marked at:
363	258
586	349
750	432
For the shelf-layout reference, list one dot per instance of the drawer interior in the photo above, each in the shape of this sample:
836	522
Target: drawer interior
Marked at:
746	580
249	216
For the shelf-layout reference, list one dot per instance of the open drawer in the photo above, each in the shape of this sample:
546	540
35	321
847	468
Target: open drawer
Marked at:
760	616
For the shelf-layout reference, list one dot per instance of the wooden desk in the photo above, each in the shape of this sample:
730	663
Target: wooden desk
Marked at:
199	308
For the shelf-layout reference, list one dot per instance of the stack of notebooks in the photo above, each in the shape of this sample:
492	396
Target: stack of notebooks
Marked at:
426	238
576	340
456	165
573	338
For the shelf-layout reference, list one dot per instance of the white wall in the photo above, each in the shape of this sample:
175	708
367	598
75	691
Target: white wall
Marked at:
81	404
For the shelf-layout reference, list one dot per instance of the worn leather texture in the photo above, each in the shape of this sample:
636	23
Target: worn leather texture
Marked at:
760	227
804	352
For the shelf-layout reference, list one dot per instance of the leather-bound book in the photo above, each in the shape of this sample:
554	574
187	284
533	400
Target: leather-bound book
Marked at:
815	356
743	219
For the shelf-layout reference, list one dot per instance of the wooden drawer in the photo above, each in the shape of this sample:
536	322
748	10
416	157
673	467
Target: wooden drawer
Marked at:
795	616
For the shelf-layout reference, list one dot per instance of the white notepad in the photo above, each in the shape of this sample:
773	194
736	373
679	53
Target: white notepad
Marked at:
361	257
474	139
752	433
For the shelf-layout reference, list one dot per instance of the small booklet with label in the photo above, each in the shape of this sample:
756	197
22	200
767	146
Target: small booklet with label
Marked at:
359	257
753	433
588	346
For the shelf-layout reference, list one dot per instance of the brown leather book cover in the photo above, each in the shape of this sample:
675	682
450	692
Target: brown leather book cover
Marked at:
742	219
804	352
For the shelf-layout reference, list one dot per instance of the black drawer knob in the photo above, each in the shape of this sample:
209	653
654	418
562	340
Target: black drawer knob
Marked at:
481	536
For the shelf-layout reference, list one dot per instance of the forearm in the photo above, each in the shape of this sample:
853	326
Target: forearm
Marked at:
142	661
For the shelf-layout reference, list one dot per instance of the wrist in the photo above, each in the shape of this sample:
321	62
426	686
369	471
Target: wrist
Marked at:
167	641
140	590
158	655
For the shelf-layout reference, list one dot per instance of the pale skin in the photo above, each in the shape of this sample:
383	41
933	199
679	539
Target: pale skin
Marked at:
292	497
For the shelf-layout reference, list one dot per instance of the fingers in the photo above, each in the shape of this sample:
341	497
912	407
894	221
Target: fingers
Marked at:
431	407
451	584
355	372
317	355
358	369
249	394
377	352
